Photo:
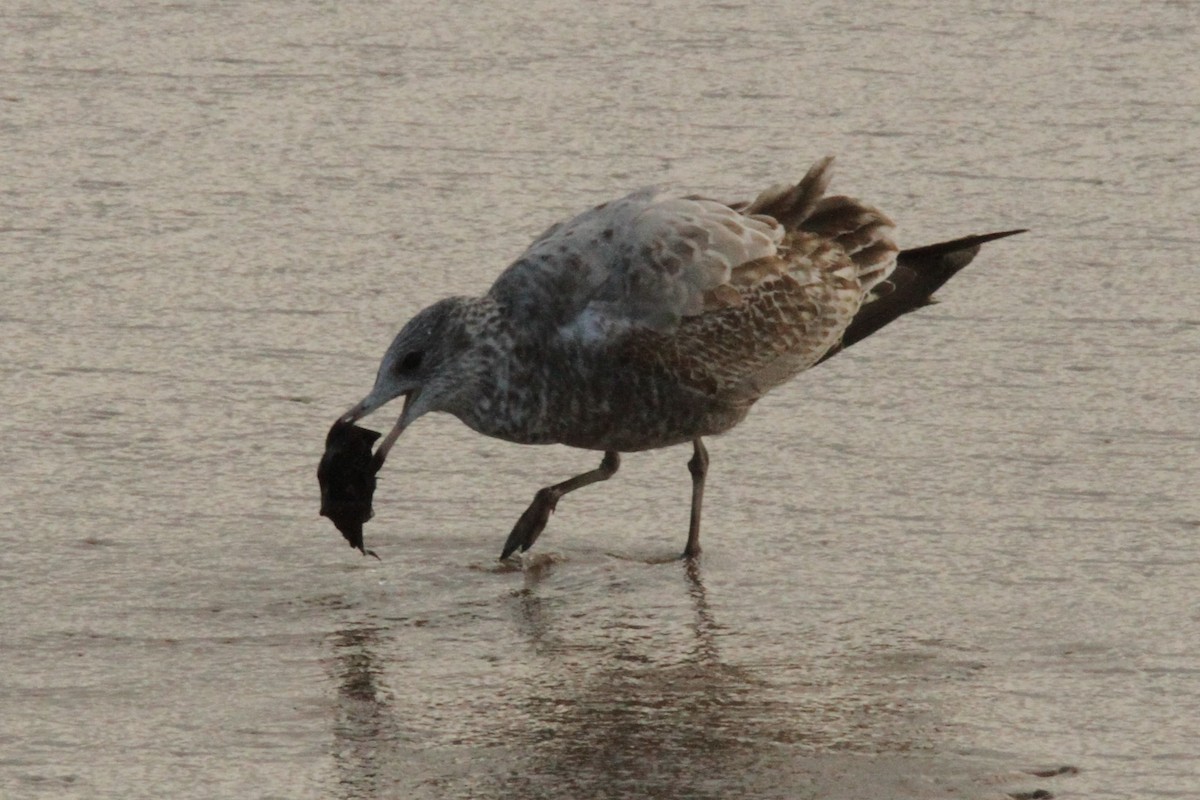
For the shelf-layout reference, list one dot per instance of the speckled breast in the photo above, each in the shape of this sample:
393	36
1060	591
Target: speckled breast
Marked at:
597	401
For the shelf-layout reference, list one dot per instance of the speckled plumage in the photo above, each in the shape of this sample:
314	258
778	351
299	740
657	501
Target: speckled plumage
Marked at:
648	321
652	320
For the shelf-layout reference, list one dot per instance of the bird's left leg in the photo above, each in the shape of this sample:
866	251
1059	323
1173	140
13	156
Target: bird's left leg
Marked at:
698	466
533	521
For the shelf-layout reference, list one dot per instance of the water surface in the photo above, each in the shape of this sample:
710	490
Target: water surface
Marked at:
962	550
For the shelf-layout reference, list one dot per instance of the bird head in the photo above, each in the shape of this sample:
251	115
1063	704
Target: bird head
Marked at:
422	366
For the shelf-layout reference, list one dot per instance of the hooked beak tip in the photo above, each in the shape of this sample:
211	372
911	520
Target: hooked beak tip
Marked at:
368	405
356	413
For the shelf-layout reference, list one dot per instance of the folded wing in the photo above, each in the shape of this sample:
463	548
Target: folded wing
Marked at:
646	260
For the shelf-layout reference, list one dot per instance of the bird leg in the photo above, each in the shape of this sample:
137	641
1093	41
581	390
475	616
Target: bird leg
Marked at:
698	466
533	521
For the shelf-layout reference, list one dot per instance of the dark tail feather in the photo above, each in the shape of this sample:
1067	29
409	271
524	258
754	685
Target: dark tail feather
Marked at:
919	273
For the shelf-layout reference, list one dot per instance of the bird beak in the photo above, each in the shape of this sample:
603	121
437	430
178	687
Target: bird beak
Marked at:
397	429
364	407
369	404
359	411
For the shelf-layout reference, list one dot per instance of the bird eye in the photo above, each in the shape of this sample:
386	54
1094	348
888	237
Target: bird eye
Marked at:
411	361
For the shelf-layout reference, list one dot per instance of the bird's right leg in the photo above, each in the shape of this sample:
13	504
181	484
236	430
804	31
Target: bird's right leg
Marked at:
698	466
533	521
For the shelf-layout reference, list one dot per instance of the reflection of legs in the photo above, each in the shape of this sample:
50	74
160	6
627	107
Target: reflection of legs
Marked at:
698	466
533	521
705	628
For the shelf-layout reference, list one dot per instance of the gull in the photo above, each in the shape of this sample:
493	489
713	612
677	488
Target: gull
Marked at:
655	320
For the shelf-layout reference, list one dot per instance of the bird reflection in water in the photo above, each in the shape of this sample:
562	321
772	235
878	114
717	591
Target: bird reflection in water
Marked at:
367	735
652	712
624	691
644	707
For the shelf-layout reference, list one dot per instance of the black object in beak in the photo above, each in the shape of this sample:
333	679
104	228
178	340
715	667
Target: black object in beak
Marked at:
347	477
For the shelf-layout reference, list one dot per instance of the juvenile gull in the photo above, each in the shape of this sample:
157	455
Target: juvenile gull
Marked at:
656	320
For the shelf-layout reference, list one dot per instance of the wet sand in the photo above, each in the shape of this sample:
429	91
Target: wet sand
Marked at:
962	551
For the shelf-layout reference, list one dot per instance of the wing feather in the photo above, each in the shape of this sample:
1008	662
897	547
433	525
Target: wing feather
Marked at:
651	261
645	260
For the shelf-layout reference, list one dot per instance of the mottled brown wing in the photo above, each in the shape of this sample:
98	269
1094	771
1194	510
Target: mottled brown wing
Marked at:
791	309
647	261
777	316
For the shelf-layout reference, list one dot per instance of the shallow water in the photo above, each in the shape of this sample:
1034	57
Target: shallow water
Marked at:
967	548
